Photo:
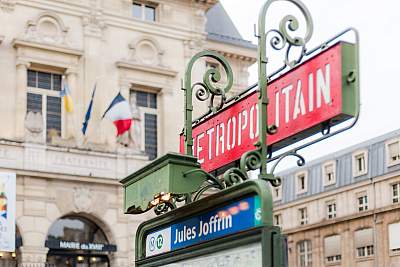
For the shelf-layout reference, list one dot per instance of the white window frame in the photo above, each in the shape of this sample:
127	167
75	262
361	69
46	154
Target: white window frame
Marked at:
276	197
361	207
393	238
278	219
307	253
303	220
333	259
366	251
324	173
148	110
297	177
395	199
356	155
389	161
143	10
332	213
45	93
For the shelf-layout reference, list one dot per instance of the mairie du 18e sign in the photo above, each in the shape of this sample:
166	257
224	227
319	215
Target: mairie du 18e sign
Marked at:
318	91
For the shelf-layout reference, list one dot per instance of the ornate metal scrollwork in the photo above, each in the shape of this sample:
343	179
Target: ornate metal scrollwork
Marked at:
282	37
163	203
207	89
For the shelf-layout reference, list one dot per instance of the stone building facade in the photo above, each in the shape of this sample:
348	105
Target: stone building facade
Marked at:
69	200
344	209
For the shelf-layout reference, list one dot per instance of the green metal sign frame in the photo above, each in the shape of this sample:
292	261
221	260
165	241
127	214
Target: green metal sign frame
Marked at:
177	178
266	233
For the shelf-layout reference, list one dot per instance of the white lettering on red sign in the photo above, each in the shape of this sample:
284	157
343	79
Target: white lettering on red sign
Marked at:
302	98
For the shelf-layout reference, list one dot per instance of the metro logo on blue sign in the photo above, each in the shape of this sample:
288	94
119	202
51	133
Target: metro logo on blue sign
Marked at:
238	216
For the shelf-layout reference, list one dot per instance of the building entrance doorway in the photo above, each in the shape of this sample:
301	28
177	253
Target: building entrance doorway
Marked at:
75	241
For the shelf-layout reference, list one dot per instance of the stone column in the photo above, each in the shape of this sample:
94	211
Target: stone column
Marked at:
32	257
72	127
20	98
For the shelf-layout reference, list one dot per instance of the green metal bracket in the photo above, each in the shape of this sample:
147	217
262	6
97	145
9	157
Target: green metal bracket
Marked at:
205	91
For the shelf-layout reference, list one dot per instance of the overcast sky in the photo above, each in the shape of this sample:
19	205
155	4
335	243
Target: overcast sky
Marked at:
379	26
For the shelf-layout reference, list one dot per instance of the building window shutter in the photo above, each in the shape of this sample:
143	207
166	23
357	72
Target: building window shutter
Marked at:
394	233
364	238
332	246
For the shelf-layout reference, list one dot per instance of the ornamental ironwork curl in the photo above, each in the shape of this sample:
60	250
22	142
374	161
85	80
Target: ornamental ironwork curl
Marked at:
165	206
249	161
282	37
277	181
206	90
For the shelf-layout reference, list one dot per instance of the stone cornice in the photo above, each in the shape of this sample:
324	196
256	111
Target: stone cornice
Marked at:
40	160
144	68
48	47
117	20
356	216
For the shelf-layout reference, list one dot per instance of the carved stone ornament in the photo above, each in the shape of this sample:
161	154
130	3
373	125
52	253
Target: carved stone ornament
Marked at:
94	23
34	126
47	28
146	51
7	5
83	199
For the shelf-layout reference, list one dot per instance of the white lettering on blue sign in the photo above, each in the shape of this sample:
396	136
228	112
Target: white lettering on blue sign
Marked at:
230	219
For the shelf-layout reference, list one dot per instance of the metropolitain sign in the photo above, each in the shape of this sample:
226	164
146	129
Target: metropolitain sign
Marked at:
320	90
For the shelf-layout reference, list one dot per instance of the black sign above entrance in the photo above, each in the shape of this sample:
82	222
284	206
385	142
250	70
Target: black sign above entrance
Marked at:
72	245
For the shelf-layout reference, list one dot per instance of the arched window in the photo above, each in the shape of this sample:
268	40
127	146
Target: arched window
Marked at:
76	241
304	253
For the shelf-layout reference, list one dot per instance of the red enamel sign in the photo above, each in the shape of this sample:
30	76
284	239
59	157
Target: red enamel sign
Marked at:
300	101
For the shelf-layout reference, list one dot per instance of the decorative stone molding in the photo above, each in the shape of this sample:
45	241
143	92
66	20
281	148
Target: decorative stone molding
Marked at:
47	28
94	23
83	200
34	127
155	70
146	51
7	5
191	47
33	256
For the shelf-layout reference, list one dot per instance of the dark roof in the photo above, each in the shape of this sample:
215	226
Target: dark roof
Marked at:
220	28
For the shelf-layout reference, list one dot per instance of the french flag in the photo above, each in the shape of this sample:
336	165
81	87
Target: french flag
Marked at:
119	112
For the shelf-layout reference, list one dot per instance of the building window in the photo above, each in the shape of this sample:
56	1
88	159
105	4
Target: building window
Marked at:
303	217
394	240
277	193
331	210
364	242
144	11
333	253
360	163
329	173
396	193
278	219
362	202
304	252
147	104
301	182
393	152
43	97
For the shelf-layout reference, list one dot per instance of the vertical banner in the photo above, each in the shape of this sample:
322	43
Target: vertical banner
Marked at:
7	211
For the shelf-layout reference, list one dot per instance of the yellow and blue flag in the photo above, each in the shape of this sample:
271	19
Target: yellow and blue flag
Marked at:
65	93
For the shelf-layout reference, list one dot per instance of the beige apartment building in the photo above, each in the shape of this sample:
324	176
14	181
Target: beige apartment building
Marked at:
69	200
344	209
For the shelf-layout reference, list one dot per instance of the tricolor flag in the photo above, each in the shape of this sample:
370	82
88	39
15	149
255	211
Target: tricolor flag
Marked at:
88	113
65	94
119	112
